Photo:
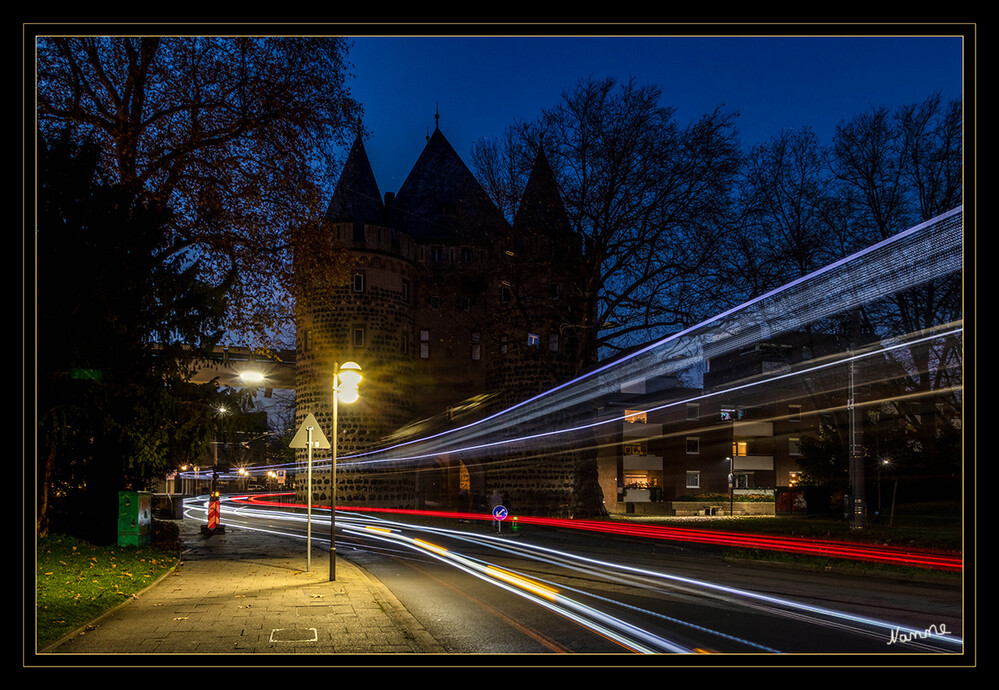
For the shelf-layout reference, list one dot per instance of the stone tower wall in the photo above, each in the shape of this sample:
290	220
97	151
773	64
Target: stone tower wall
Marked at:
370	322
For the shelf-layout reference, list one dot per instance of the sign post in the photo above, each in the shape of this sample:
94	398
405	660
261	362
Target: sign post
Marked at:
310	436
499	515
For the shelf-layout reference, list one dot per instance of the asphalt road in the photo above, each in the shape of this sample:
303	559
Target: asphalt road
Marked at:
479	590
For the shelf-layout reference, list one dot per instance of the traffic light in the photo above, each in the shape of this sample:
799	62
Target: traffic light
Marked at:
350	379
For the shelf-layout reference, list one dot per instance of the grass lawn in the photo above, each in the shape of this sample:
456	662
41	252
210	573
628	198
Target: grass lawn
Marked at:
77	581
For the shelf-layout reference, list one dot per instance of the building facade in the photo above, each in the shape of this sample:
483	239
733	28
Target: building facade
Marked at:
448	307
674	442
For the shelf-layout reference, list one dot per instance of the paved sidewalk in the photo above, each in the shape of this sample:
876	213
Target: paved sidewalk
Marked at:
246	592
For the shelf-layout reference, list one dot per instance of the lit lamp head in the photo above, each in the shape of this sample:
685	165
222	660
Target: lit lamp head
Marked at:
350	378
251	378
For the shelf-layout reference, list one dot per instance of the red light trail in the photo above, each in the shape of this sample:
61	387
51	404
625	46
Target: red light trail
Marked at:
904	556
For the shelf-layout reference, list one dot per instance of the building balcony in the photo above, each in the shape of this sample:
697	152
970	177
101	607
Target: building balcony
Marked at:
753	462
643	462
640	430
752	429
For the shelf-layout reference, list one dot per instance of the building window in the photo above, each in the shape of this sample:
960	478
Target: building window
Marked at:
794	413
636	448
553	342
424	344
555	290
405	343
740	448
504	345
794	446
466	255
693	411
730	414
358	336
405	290
476	346
307	340
437	254
504	293
693	445
359	281
435	302
693	479
635	416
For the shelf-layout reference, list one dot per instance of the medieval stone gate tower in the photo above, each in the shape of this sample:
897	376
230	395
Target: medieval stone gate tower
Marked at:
445	301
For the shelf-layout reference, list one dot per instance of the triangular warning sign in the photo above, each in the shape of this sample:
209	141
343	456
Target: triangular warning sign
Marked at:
301	439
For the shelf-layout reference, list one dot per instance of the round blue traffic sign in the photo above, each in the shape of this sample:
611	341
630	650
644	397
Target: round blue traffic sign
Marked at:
499	513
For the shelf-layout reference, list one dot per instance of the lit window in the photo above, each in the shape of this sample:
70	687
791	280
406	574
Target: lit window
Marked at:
693	479
635	416
740	448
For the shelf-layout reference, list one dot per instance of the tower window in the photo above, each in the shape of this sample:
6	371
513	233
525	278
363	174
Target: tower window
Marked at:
358	282
358	336
425	344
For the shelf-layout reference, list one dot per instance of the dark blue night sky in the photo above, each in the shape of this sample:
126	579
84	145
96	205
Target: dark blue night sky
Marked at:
482	85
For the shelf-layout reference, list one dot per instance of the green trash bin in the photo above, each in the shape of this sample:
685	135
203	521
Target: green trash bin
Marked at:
134	518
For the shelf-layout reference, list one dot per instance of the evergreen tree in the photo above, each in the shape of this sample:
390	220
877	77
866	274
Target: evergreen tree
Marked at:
119	325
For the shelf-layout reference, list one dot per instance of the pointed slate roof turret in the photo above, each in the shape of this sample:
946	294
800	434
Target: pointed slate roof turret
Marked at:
541	209
541	222
442	201
356	198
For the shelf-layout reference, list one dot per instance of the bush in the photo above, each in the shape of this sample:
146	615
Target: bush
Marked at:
165	536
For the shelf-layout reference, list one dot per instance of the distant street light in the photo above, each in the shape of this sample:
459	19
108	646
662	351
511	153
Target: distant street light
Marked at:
346	380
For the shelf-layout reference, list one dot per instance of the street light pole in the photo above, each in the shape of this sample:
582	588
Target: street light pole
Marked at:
333	442
346	378
731	486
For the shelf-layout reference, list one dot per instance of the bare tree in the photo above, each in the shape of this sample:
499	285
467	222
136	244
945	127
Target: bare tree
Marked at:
235	135
647	195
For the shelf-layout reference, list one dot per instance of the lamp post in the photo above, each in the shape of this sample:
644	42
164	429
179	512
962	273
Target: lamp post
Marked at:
345	381
731	486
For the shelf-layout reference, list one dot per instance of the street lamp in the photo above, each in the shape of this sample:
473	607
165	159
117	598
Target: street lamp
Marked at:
346	379
731	486
251	378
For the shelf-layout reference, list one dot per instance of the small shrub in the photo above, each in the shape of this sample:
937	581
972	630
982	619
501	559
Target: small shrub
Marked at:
165	535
